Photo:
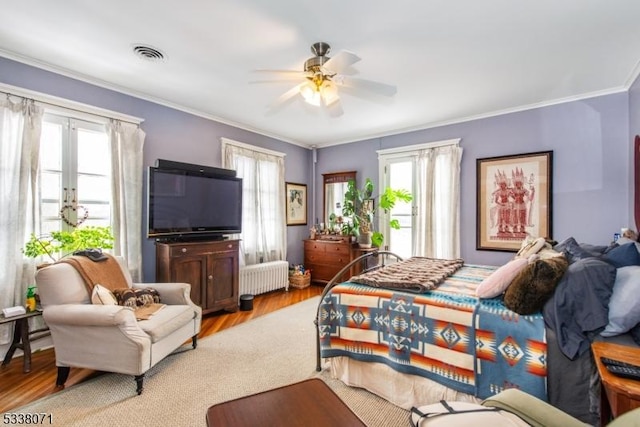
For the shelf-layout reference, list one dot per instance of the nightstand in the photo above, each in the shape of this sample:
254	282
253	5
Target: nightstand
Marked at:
617	395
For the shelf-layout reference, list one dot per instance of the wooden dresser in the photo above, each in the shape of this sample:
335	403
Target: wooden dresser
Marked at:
325	258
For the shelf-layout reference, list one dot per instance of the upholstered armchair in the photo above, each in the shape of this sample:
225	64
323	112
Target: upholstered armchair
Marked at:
108	337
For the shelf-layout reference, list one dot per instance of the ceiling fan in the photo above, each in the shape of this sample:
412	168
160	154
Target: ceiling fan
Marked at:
321	78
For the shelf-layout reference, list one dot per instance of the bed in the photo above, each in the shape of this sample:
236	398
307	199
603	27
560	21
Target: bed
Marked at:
415	347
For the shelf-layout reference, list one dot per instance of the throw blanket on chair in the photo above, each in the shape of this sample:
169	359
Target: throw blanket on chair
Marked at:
416	274
106	273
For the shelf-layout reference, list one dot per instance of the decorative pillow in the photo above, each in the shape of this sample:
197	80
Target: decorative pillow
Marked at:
534	285
129	297
500	279
623	256
530	247
102	295
624	305
573	251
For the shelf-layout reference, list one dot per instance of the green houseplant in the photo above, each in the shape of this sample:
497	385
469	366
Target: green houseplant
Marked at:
359	207
63	243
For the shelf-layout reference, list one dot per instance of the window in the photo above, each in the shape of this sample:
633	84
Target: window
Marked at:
263	235
75	174
429	225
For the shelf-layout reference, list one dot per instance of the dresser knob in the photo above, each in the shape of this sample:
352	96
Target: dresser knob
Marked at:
184	250
210	277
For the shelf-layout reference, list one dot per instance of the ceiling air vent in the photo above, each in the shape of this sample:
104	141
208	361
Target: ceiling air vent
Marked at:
149	53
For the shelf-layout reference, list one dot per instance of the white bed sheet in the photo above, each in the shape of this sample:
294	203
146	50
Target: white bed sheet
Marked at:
403	390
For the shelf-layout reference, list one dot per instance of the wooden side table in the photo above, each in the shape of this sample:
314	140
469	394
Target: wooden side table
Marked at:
22	337
617	395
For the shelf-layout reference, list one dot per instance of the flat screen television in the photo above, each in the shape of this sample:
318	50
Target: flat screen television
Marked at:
193	204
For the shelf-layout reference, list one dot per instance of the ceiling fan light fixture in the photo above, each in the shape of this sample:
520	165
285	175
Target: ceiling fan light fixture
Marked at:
329	92
311	94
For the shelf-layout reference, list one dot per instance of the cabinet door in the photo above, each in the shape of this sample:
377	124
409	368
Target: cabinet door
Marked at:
220	289
192	270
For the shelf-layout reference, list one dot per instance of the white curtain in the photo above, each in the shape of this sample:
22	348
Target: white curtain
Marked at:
263	235
20	128
438	202
127	141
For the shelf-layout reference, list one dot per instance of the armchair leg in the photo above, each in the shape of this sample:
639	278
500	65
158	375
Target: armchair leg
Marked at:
139	381
63	374
194	341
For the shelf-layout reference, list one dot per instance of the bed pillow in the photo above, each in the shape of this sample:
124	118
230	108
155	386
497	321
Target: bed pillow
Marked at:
623	256
624	305
500	279
103	296
534	285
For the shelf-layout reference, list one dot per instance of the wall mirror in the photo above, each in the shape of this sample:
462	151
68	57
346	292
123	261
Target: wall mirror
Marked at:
335	185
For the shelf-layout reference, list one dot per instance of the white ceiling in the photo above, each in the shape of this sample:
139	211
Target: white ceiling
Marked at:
450	60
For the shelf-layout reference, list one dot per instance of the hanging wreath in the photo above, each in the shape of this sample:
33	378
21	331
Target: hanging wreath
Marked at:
69	207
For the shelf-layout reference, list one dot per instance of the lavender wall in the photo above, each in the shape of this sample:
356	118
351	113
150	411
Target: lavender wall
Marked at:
171	134
592	194
591	184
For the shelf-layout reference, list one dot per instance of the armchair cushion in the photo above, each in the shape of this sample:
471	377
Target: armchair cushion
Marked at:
166	321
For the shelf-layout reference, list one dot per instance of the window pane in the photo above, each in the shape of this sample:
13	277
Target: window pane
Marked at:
93	188
98	210
93	152
50	210
50	185
49	226
51	146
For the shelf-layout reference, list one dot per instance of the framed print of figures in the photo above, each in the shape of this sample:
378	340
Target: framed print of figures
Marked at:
513	200
296	208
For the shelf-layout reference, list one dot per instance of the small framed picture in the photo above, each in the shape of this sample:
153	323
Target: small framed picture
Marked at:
296	203
513	200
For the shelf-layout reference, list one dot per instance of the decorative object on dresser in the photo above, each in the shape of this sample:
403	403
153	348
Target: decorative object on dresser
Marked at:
210	267
513	199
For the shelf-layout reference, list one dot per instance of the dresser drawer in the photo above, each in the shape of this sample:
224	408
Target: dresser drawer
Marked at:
189	249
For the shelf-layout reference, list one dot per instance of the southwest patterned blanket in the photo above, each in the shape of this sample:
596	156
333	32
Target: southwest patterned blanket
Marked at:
448	335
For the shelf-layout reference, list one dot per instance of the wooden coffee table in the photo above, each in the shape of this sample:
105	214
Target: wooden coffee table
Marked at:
310	402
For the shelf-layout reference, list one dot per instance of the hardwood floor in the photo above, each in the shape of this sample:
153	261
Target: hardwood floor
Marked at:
18	389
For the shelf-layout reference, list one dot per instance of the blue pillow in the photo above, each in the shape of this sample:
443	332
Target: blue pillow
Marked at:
624	305
623	256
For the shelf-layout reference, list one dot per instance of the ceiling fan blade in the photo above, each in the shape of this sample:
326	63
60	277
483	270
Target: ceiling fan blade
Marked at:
368	85
341	61
285	97
280	75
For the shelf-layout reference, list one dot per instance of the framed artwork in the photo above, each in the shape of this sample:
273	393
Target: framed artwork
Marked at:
296	207
513	200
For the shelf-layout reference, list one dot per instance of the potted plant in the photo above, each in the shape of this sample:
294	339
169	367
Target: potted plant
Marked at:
359	207
62	243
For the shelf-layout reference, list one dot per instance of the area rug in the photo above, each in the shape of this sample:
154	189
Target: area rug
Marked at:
267	352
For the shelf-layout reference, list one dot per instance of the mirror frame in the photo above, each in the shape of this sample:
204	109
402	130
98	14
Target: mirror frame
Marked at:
333	178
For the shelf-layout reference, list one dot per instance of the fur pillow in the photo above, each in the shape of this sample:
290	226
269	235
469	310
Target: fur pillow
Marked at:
129	297
534	285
